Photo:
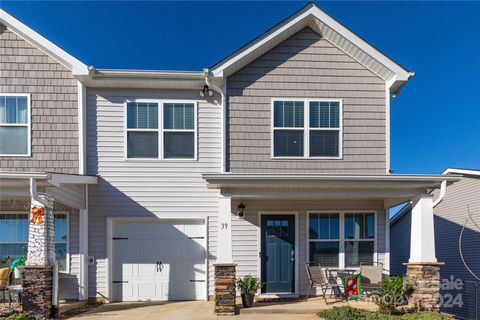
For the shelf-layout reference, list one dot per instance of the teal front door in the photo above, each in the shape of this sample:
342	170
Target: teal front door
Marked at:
278	253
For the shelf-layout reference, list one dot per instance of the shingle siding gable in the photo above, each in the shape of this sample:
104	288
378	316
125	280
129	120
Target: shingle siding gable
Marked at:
53	89
306	66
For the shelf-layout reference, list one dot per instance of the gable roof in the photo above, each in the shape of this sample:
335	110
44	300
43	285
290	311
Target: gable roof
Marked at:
34	38
313	17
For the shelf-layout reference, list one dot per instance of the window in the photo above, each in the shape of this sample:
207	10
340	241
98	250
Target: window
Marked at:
14	125
14	237
333	246
324	129
178	130
324	231
288	118
174	139
359	238
142	130
308	128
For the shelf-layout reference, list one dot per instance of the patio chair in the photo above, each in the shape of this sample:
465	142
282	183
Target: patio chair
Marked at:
4	280
317	278
371	277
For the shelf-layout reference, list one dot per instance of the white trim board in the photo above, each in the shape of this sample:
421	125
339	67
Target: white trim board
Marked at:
28	34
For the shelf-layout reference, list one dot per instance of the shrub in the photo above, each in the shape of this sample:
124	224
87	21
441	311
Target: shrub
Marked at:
394	291
249	284
349	313
18	316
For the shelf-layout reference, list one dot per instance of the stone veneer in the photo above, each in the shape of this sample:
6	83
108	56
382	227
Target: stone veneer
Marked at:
427	285
37	291
225	292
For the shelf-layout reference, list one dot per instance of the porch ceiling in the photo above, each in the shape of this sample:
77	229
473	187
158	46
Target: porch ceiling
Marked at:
392	189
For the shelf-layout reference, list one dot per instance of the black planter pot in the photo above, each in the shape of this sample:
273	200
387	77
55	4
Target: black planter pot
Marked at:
247	300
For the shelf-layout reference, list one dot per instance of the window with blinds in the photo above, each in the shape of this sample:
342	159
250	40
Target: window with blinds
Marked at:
173	139
14	125
306	128
179	130
350	246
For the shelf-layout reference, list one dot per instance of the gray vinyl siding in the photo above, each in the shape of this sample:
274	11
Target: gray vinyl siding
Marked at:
450	217
53	89
148	188
400	244
306	66
246	232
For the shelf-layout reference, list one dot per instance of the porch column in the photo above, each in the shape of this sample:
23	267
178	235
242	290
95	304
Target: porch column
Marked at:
225	269
39	290
422	266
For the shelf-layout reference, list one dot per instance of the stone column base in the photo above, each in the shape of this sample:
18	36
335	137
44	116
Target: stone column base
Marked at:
37	291
426	276
225	289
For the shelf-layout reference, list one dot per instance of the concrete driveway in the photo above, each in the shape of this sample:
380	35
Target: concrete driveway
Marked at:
194	310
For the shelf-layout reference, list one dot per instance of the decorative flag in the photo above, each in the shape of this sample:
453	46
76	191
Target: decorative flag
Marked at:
352	284
37	213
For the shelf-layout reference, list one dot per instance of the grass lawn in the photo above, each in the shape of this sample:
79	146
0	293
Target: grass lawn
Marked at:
349	313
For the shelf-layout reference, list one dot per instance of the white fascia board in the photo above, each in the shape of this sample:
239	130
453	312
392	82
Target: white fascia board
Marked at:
59	179
76	66
401	74
461	171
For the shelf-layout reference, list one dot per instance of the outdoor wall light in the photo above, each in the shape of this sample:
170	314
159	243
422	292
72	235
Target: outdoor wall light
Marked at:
206	92
241	210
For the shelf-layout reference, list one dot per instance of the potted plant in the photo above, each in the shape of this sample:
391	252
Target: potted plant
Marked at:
17	272
248	286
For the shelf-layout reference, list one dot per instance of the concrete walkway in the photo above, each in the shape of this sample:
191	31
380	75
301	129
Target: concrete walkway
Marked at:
191	310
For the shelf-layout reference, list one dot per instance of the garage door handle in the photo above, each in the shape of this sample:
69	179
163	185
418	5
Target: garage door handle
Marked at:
197	280
120	281
159	266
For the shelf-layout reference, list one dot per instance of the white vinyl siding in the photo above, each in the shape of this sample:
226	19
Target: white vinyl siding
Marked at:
146	188
14	124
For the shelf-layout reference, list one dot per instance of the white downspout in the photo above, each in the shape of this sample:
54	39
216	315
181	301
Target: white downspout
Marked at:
443	192
224	120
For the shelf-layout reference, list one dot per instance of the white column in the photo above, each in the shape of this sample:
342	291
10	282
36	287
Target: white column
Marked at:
422	238
224	254
83	255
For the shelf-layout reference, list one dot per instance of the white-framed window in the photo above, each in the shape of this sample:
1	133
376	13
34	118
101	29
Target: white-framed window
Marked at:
14	237
342	239
164	130
307	128
14	124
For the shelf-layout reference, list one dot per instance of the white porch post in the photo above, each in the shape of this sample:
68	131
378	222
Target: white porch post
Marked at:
83	255
224	254
422	240
422	266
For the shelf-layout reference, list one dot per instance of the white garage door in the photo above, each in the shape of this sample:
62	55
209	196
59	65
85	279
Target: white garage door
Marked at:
159	260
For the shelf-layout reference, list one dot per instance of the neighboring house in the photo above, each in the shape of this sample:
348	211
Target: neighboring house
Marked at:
276	156
451	217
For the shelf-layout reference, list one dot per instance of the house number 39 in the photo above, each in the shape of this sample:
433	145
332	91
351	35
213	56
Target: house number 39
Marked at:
224	226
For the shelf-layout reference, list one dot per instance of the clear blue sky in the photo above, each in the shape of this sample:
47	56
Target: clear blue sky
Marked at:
435	120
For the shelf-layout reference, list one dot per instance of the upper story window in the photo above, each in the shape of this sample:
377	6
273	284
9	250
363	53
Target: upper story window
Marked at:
14	124
307	128
174	139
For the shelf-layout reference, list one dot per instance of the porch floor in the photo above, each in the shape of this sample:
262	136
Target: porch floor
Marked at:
312	306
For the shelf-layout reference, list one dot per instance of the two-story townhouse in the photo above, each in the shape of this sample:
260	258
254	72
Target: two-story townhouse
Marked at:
275	157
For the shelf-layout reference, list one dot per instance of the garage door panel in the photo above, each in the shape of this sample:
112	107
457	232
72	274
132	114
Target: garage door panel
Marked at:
182	271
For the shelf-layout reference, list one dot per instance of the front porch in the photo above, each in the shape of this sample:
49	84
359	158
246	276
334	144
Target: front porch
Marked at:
53	239
271	226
